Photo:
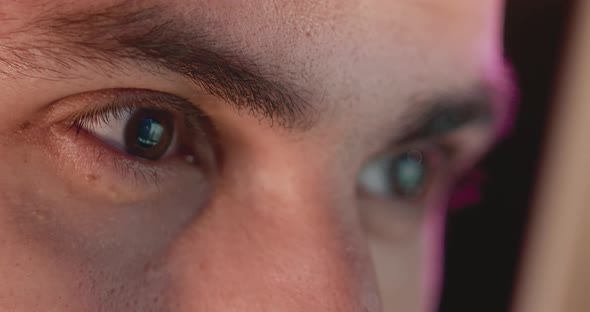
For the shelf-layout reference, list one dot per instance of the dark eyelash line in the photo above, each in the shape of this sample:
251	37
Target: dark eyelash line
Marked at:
119	103
131	100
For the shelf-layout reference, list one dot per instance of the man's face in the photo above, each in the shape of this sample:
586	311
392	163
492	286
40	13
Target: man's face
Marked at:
258	155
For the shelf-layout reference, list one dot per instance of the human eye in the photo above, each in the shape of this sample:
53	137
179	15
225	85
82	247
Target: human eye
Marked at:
403	175
146	126
396	188
145	133
148	133
113	172
135	137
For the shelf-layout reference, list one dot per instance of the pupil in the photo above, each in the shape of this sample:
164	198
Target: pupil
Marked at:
409	175
149	133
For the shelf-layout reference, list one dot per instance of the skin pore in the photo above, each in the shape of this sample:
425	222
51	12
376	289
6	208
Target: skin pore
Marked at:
276	190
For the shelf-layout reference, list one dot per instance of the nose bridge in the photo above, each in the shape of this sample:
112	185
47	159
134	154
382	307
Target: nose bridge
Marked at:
277	239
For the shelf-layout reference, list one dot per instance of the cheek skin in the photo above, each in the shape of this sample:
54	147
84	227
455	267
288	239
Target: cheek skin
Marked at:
60	232
273	236
272	239
399	276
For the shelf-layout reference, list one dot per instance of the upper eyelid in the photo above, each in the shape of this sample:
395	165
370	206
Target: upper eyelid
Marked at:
127	99
198	125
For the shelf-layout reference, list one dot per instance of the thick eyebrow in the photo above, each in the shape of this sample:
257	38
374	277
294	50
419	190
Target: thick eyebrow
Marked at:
441	114
156	39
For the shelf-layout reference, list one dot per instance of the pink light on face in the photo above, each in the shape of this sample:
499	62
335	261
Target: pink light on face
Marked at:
468	190
499	74
506	98
433	266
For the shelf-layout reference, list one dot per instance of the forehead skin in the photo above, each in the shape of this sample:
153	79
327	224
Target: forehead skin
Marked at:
343	52
362	63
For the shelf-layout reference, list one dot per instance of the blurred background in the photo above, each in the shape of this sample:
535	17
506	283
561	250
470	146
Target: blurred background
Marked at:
484	240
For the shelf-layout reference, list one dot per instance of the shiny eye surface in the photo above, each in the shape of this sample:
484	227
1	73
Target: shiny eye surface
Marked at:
409	174
149	133
397	189
403	176
140	132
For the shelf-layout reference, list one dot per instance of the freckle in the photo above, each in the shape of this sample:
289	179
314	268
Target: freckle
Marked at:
91	177
25	125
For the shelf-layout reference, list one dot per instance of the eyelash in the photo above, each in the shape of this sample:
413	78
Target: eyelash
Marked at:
116	109
122	103
103	115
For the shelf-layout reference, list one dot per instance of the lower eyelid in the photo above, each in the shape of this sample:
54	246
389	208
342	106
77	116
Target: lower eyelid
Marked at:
85	156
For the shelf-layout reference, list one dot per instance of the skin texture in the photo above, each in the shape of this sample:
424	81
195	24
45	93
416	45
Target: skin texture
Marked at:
275	220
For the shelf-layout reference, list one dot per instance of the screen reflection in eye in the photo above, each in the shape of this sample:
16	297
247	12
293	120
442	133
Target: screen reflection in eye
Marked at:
138	128
149	133
145	133
406	175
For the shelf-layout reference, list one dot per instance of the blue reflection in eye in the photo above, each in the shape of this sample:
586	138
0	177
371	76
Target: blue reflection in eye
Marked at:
149	133
402	175
409	173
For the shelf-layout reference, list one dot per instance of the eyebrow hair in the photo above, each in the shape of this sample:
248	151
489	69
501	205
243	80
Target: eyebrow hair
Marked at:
441	114
124	33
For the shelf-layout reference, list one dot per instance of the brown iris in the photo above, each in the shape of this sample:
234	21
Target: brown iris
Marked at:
149	133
